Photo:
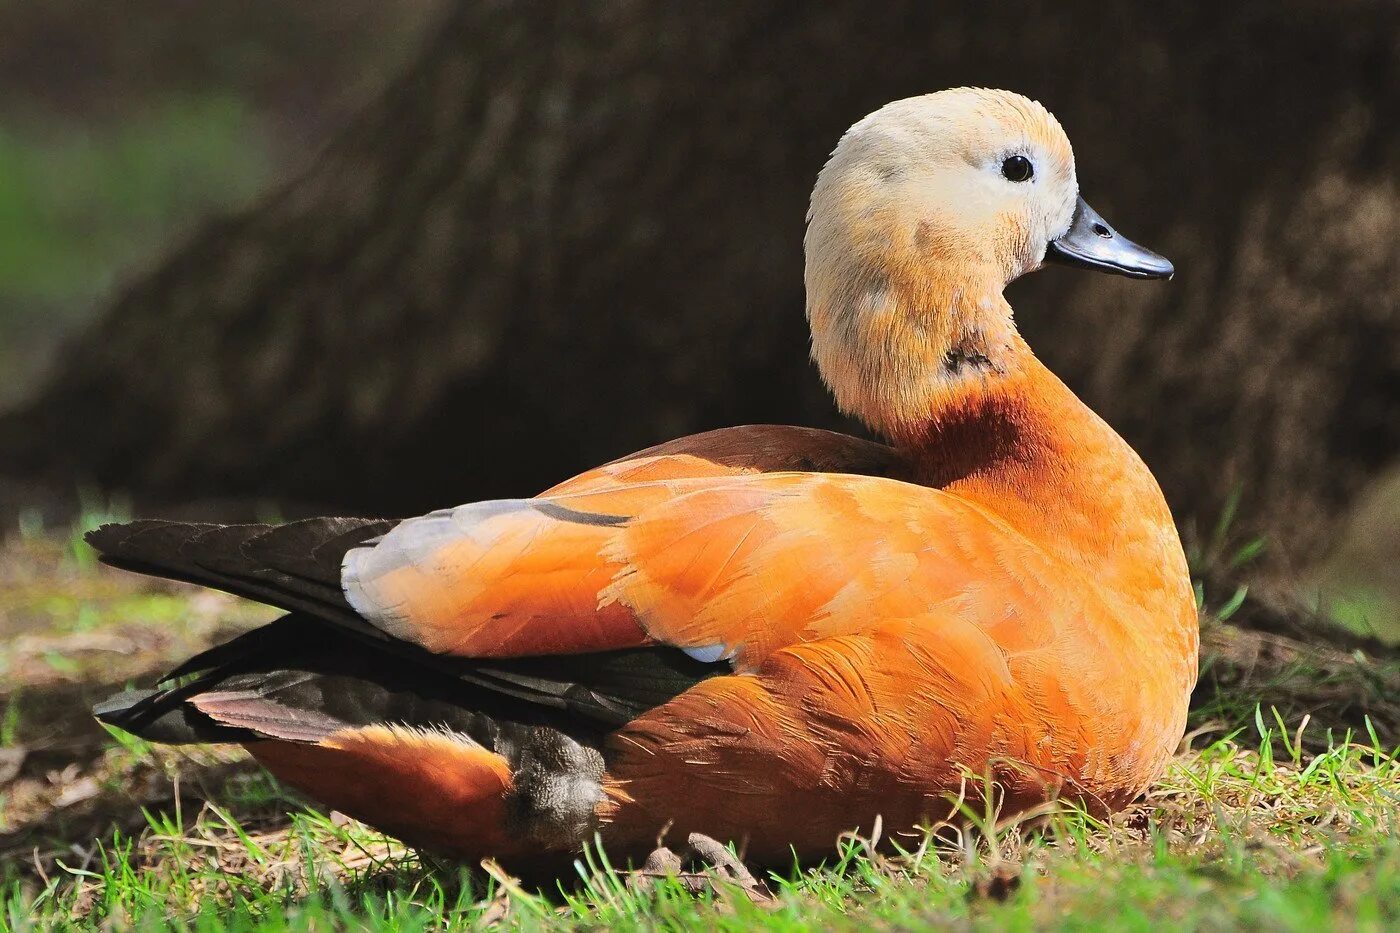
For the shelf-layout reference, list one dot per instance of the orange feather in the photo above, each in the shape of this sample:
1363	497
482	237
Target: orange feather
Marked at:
434	788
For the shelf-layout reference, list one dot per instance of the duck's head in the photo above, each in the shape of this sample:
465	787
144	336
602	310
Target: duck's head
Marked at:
927	208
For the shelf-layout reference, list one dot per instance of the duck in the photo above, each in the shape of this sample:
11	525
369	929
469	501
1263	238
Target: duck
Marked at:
768	635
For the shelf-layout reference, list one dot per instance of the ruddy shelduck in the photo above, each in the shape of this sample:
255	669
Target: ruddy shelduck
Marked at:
766	634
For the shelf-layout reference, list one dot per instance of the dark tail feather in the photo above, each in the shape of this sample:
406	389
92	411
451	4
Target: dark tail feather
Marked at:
294	566
278	637
302	677
164	716
226	693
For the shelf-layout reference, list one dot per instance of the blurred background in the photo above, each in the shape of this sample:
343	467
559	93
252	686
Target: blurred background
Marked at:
263	258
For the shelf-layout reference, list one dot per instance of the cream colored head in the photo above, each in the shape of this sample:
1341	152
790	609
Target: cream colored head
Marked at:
917	223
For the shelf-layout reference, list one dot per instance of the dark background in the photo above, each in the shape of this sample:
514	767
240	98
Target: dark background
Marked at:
384	257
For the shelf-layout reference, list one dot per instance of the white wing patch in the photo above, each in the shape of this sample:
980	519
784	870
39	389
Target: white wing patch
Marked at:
425	545
412	542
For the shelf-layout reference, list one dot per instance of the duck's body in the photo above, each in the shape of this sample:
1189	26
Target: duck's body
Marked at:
766	634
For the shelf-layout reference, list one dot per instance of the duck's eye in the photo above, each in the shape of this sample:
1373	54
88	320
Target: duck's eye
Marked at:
1017	168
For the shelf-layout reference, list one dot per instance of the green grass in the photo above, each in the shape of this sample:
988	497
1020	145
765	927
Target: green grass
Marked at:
1281	820
1245	832
68	622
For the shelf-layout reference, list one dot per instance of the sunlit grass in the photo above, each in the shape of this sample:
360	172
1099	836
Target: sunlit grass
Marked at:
1272	820
1248	830
62	618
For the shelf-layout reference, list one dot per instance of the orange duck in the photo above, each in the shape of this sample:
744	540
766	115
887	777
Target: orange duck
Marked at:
765	634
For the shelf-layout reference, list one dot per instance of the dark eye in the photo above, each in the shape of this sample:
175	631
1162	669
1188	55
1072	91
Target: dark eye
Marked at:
1017	168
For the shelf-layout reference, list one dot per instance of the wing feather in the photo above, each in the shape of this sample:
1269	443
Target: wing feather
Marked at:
723	566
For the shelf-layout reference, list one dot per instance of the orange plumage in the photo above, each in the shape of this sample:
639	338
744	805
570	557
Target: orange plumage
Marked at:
766	634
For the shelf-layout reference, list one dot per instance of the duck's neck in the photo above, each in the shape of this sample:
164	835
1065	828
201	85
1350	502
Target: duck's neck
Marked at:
897	343
1022	445
930	358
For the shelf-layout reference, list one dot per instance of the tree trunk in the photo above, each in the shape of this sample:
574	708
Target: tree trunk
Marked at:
572	230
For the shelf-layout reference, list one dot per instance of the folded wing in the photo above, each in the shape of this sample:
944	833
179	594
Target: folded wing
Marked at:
730	566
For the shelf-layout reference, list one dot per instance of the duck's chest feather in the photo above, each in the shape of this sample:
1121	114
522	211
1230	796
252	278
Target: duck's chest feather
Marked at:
902	723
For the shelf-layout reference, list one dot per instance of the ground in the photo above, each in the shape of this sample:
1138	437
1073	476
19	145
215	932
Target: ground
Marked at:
1281	814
